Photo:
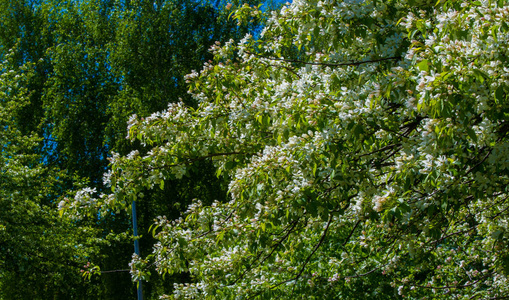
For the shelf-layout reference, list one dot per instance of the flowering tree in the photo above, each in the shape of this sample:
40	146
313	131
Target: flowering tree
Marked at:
365	147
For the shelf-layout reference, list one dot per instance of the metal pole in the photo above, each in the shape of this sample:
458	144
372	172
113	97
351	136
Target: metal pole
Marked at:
136	246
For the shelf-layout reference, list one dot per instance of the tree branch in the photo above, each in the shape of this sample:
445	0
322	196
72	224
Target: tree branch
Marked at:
355	63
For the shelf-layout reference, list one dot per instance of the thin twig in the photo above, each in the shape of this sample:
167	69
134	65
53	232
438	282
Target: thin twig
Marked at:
449	286
114	271
351	233
324	234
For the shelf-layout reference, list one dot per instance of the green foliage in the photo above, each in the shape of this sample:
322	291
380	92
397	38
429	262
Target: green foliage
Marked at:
365	149
41	254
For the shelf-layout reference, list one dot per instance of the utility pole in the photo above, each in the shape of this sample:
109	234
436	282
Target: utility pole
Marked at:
136	246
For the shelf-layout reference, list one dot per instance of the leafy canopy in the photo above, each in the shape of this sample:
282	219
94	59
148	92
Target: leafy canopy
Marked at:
41	253
365	147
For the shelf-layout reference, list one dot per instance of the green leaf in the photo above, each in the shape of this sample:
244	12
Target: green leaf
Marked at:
480	75
220	236
423	65
471	134
229	165
498	234
499	94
